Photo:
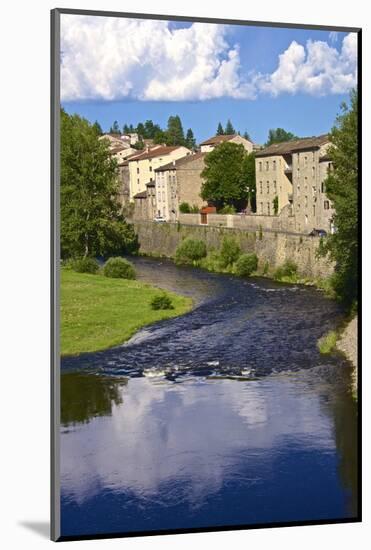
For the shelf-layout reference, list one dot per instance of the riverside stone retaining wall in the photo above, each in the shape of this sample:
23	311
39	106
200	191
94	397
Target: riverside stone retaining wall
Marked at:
273	249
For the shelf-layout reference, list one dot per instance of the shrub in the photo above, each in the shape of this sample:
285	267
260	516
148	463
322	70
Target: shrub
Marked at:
119	268
184	208
161	301
246	264
190	251
227	209
194	209
84	265
229	252
266	268
275	205
327	343
287	269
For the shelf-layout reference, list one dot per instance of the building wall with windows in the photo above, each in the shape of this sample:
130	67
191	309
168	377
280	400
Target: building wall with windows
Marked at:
166	194
271	182
142	166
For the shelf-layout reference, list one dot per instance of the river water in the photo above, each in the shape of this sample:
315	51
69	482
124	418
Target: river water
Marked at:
225	416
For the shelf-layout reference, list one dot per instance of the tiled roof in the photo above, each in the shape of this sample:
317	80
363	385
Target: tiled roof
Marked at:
288	147
180	162
141	195
219	139
151	184
156	152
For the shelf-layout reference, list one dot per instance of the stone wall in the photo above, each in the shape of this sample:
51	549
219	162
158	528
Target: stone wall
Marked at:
271	248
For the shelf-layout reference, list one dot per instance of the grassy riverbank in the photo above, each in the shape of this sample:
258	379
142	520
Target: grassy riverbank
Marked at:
98	312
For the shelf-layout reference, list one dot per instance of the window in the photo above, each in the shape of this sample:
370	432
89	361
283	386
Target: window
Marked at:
305	183
305	201
305	161
261	187
268	187
138	180
326	205
150	168
260	166
274	165
313	171
323	187
314	210
261	208
267	165
138	170
306	219
298	188
269	208
275	186
163	196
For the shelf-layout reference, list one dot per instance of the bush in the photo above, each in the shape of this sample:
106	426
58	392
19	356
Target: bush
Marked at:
229	252
84	265
194	209
190	251
184	208
288	269
161	301
327	343
246	264
227	209
119	268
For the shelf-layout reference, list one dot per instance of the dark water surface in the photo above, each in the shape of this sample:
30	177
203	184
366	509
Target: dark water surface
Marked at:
225	416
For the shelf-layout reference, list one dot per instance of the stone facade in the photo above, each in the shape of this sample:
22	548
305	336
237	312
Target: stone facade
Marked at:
189	180
295	171
211	143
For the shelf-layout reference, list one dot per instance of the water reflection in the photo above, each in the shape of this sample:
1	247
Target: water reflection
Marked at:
204	453
84	396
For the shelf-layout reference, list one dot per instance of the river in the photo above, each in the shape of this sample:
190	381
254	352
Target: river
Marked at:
225	416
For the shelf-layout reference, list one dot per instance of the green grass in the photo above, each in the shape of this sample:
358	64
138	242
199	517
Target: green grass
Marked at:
98	312
327	343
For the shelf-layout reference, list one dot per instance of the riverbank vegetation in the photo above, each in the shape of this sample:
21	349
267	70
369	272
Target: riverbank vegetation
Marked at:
342	189
99	312
327	343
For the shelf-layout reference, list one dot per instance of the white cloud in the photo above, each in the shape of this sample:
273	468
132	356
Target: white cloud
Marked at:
333	36
317	69
114	58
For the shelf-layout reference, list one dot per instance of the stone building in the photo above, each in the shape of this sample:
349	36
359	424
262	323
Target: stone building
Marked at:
293	174
211	143
145	203
143	165
179	182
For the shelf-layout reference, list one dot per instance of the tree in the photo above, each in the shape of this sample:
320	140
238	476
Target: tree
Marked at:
246	135
160	137
115	128
229	130
91	223
125	129
342	189
279	135
190	139
175	134
220	130
141	130
225	176
98	128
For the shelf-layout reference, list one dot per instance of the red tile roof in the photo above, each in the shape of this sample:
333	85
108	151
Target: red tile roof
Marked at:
156	152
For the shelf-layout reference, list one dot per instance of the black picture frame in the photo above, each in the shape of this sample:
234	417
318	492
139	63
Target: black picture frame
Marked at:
55	269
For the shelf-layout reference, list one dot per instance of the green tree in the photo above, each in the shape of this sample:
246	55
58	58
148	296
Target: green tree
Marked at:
275	205
220	130
279	135
225	176
98	128
190	139
91	223
141	130
342	190
125	129
115	128
175	134
246	135
229	130
161	137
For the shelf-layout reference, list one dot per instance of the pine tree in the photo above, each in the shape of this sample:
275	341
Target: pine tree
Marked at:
115	128
279	135
246	135
220	130
175	132
229	130
190	139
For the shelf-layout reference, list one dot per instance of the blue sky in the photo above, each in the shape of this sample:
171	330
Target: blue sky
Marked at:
259	77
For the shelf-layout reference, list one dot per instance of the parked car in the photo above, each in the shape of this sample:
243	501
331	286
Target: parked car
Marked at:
159	219
318	233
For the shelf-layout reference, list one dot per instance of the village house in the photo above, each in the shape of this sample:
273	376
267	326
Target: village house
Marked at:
179	182
293	173
143	165
211	143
